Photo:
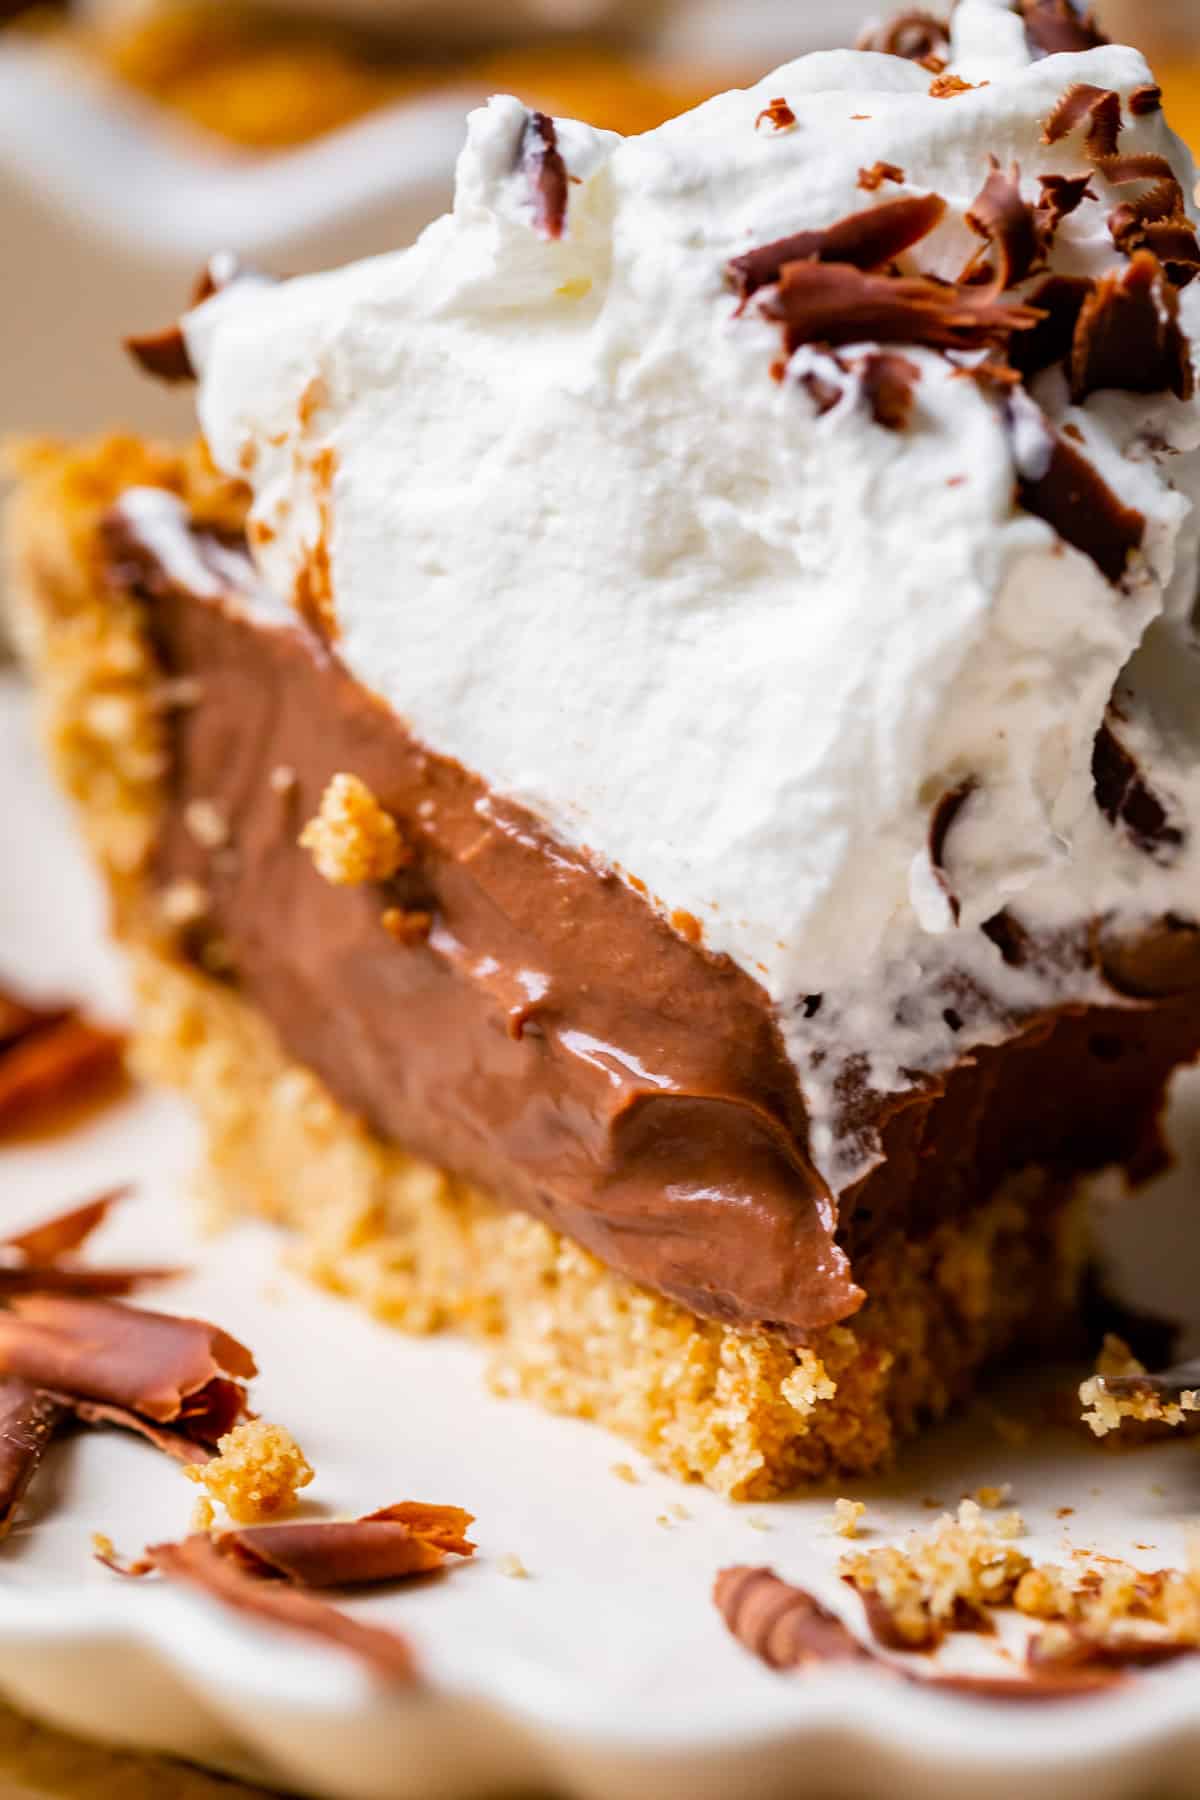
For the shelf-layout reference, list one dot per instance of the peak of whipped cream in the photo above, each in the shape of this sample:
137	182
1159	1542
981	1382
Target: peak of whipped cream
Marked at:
600	530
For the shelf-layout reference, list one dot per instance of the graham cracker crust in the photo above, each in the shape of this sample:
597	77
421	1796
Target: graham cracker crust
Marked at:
746	1413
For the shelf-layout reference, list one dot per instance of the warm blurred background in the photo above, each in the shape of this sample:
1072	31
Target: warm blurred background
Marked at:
137	136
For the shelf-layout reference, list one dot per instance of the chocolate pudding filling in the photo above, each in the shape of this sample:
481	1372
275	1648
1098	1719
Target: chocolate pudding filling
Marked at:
545	1032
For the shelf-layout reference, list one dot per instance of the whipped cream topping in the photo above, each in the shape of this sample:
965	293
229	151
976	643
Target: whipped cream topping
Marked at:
580	524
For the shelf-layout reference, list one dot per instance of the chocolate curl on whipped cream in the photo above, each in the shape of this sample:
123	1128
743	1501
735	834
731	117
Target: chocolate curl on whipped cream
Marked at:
1067	490
199	1562
889	385
1125	799
834	303
542	161
1061	196
164	354
128	1366
1099	108
1008	224
1157	218
1055	26
1128	335
397	1541
29	1419
869	239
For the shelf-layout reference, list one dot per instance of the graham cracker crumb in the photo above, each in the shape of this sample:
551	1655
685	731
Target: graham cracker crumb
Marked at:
624	1472
352	839
408	925
678	1511
256	1473
282	778
938	1580
847	1515
992	1497
206	823
512	1566
203	1515
1105	1412
183	902
103	1545
755	1523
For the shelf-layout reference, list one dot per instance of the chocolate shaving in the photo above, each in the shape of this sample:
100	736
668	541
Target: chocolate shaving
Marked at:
870	180
914	35
67	1231
198	1562
777	113
1146	99
1128	335
542	161
29	1419
1053	27
864	240
1073	497
941	822
788	1628
835	303
163	354
1060	299
889	384
946	87
171	1371
173	1441
1008	223
59	1057
1172	241
1124	797
1099	107
397	1541
1061	196
32	1261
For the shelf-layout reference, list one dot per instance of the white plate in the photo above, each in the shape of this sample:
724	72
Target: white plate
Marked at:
607	1673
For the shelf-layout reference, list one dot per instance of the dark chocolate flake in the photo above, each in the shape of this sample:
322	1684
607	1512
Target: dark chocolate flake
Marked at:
915	35
1072	496
1099	108
836	303
776	113
1128	335
388	1545
866	240
1060	299
163	354
889	383
542	161
872	179
29	1419
1146	99
1008	223
1053	27
1125	798
1061	196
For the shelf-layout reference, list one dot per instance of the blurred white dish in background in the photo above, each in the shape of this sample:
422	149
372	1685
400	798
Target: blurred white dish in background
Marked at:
454	21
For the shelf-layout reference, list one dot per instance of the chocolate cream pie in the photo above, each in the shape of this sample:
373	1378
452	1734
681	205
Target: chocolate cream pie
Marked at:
648	765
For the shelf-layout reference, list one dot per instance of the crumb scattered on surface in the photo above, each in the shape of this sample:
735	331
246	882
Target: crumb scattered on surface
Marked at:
756	1523
938	1580
1104	1412
407	924
512	1566
351	837
257	1472
103	1545
678	1511
847	1516
624	1472
992	1497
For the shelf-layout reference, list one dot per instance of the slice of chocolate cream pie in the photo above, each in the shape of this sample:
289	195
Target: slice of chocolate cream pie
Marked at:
649	766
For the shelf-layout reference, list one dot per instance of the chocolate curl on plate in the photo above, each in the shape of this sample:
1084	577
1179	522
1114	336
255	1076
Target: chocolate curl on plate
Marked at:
32	1261
1126	799
54	1057
867	240
1128	335
198	1562
168	1370
915	35
1100	108
834	303
1053	27
397	1541
29	1419
66	1231
542	161
1008	224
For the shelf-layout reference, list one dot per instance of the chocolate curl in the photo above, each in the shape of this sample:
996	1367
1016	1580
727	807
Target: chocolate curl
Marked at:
867	240
872	179
889	385
834	303
173	1441
52	1063
941	822
542	161
1053	27
1145	100
1073	497
1061	196
1125	799
198	1562
1060	300
32	1261
1100	107
28	1421
165	1369
1157	219
1128	335
409	1539
915	35
66	1231
1008	223
18	1018
162	354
